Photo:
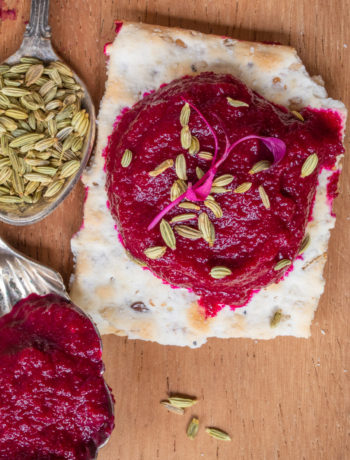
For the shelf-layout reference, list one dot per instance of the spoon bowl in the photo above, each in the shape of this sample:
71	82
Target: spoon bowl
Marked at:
37	43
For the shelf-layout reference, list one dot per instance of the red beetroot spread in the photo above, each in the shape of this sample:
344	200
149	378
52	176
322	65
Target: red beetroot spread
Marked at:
332	186
53	400
332	189
250	239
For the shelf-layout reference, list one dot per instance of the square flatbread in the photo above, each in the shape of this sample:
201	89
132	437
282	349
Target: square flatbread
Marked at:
106	283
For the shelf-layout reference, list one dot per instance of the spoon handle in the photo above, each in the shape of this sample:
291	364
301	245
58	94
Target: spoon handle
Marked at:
38	25
37	36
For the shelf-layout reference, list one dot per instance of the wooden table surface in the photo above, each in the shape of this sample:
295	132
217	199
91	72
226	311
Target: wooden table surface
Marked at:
281	399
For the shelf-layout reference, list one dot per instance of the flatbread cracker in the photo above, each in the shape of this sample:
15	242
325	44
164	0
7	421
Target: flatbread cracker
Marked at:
106	282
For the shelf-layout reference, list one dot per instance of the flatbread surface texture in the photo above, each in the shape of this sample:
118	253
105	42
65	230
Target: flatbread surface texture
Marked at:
106	283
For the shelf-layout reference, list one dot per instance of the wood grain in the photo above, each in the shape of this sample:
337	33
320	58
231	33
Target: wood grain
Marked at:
281	399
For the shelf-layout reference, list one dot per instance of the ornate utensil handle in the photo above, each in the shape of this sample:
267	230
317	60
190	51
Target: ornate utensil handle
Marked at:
37	37
38	25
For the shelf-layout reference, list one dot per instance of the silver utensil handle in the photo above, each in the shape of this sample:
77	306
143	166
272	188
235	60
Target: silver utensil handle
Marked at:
37	37
38	25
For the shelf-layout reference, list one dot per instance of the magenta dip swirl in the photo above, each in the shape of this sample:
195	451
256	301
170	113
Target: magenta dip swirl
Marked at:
251	239
54	403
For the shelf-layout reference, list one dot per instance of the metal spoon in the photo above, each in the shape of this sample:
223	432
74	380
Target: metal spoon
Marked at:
37	43
21	276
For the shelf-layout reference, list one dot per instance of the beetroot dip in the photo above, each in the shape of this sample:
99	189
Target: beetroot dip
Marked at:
53	402
249	239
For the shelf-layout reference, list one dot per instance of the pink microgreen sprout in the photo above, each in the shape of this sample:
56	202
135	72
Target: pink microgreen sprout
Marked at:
201	189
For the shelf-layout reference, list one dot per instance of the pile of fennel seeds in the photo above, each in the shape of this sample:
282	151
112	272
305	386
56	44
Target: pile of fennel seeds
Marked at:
42	129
